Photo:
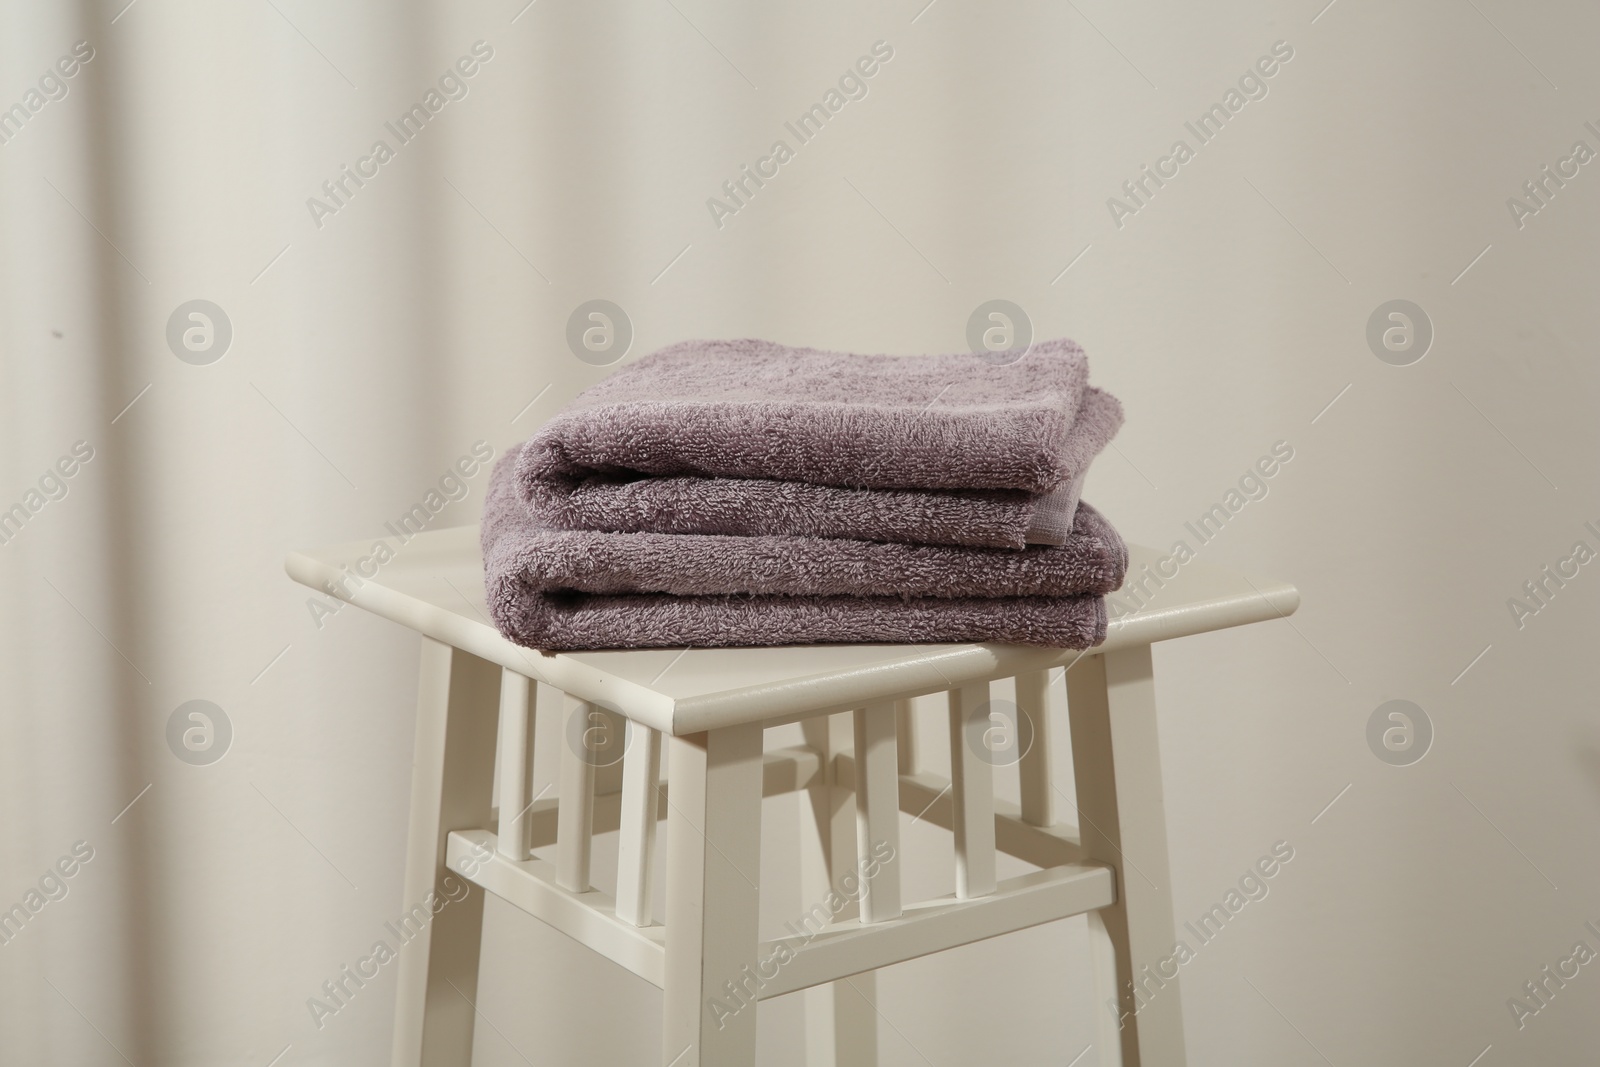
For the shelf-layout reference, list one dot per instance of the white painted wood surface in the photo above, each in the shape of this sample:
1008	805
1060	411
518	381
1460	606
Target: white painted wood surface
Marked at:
946	922
1116	757
971	792
641	780
906	736
575	814
435	586
927	797
784	770
841	1020
453	766
877	787
589	918
858	770
1107	1013
713	898
515	758
1033	765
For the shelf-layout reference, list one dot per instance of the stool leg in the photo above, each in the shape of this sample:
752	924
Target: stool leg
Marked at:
841	1019
1107	1024
1117	762
452	768
713	898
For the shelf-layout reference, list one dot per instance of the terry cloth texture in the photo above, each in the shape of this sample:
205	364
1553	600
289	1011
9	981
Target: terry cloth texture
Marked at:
560	589
630	501
641	449
582	621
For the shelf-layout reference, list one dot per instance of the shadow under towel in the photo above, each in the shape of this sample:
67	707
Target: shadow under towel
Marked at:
751	437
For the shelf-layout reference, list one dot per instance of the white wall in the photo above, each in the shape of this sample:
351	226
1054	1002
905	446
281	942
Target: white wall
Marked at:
1226	313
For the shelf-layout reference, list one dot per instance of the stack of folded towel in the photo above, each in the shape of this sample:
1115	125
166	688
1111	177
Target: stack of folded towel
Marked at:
722	493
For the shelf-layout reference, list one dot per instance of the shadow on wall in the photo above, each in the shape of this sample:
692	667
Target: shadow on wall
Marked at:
146	918
121	545
1587	757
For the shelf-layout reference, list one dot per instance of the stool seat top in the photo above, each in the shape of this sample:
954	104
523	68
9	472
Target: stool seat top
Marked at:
434	585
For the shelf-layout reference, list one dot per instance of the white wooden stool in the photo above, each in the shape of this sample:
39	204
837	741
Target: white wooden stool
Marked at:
477	696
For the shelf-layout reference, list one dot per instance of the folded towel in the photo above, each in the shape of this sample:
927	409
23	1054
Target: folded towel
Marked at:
1053	513
683	504
750	437
556	589
586	621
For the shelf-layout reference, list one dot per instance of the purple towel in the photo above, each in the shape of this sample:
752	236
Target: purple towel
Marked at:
751	438
556	589
583	621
